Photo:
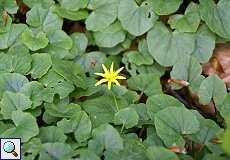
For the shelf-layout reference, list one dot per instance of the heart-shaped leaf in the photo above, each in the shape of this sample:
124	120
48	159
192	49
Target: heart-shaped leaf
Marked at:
164	45
137	20
147	83
110	36
79	124
212	88
25	126
173	122
34	41
104	13
216	16
164	7
40	17
105	137
127	117
40	64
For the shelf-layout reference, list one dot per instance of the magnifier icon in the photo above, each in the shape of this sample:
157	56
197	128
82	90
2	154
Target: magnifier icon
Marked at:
9	147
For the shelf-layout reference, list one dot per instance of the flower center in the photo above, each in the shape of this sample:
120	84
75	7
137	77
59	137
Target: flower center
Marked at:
111	77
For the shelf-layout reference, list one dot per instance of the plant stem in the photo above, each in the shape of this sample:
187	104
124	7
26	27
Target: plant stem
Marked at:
115	100
122	128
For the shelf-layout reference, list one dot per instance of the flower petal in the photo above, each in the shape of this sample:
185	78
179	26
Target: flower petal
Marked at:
101	81
100	74
120	77
105	69
116	82
119	70
111	68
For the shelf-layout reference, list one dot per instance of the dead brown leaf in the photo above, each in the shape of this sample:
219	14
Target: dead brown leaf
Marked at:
182	83
77	27
219	63
5	17
177	149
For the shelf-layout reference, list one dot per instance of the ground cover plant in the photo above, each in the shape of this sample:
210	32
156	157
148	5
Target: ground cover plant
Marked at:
116	79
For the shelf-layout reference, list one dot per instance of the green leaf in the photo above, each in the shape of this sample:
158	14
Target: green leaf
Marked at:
127	117
110	36
59	44
43	18
165	46
80	42
14	101
147	83
104	13
144	52
173	122
79	124
57	84
5	62
212	88
52	134
88	155
213	156
204	44
25	126
216	16
138	58
58	151
40	64
33	147
189	22
164	7
158	102
92	61
73	5
105	137
43	3
70	71
37	93
209	130
11	36
5	126
101	110
62	110
20	59
152	139
91	90
187	68
224	109
12	82
49	119
226	139
141	110
156	153
71	15
4	25
137	20
10	6
17	60
34	41
133	150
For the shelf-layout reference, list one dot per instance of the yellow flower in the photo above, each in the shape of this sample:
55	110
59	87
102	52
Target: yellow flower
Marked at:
110	76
